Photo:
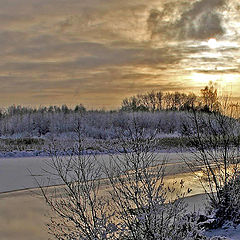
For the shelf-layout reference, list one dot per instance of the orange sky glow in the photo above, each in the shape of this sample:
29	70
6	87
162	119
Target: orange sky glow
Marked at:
98	52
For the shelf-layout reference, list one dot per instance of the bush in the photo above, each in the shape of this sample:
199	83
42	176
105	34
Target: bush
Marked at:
229	205
215	144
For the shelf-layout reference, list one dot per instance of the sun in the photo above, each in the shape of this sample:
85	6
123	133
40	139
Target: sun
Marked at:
212	43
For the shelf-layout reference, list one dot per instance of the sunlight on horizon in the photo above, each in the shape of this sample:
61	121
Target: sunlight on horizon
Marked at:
212	43
225	83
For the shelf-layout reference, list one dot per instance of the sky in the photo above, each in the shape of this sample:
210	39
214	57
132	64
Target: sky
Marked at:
97	52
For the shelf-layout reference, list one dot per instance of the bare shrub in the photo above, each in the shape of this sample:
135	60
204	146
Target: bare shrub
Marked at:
138	206
215	139
144	205
228	209
81	213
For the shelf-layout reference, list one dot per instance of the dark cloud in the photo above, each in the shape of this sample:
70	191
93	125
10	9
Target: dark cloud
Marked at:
216	71
47	96
12	39
88	56
200	21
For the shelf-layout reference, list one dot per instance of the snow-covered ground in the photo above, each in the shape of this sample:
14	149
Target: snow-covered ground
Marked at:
22	154
229	232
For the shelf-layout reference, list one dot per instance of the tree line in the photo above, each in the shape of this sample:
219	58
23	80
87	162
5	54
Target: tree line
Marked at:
156	109
157	101
148	102
21	110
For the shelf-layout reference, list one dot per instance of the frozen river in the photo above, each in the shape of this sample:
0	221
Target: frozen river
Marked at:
15	173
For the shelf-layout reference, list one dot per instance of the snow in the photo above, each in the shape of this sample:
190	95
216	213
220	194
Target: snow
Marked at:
22	154
228	231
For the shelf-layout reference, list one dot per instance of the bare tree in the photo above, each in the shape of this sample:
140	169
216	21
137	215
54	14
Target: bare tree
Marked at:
144	205
81	213
209	98
214	140
159	100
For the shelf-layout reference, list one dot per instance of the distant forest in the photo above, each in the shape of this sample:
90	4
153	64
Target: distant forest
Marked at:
164	111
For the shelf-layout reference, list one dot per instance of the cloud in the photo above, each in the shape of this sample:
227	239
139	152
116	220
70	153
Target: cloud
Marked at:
200	21
98	52
71	57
